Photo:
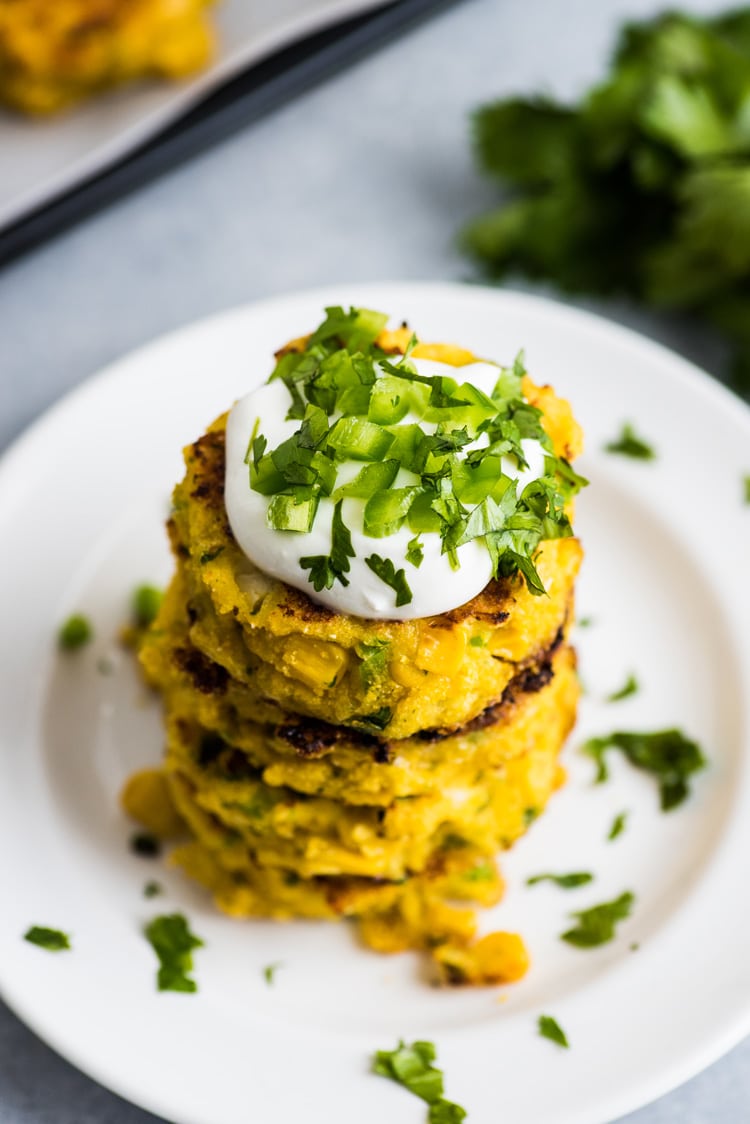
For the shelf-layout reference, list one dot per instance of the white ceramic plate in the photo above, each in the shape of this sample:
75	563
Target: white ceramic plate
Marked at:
44	157
82	499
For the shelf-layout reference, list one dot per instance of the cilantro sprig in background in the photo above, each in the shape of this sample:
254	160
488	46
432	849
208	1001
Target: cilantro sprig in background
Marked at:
642	188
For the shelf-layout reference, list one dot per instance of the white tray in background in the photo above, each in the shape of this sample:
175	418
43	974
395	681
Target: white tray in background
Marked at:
43	158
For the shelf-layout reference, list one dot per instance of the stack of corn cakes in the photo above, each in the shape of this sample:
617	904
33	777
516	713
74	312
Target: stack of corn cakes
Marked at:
326	765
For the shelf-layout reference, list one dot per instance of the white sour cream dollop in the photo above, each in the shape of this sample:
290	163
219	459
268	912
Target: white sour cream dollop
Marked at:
436	587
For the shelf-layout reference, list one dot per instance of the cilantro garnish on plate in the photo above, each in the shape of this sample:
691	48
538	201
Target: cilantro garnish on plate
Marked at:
629	444
667	755
146	845
171	939
412	1066
618	826
550	1028
564	881
629	687
597	925
146	602
269	972
75	633
53	940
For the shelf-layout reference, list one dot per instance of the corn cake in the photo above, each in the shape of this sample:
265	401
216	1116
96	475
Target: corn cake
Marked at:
54	53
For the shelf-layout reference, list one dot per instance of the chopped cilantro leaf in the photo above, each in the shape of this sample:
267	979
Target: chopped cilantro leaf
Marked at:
75	633
270	970
668	755
629	687
257	446
326	569
596	926
482	872
619	824
477	642
147	601
550	1028
445	1112
374	657
746	487
377	720
153	890
412	1066
145	844
173	943
585	622
355	329
564	881
396	579
53	940
628	444
415	552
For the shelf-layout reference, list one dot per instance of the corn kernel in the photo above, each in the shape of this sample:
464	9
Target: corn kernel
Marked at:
386	932
497	958
146	798
506	643
397	340
318	663
443	923
444	353
501	957
406	674
441	650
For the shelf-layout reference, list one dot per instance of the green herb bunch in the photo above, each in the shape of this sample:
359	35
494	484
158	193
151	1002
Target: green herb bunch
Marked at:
644	187
351	400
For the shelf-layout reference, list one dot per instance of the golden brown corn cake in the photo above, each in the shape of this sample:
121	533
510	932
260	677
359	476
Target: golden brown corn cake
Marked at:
318	758
56	52
430	673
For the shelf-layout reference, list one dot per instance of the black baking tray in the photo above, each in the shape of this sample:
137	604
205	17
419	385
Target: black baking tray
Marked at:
262	88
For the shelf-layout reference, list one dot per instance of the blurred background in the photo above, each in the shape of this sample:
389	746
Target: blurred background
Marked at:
165	162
